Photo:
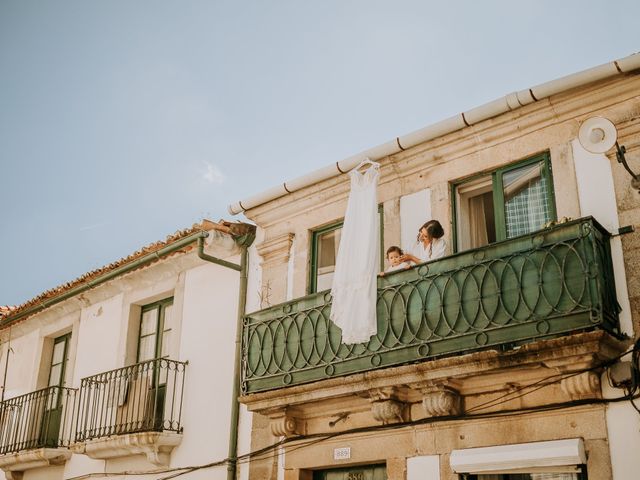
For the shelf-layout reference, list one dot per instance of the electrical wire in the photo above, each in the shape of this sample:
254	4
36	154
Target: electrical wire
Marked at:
631	394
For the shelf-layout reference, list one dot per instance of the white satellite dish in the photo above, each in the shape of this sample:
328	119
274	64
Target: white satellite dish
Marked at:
597	135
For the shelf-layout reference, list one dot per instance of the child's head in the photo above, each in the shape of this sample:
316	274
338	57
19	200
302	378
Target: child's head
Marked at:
393	255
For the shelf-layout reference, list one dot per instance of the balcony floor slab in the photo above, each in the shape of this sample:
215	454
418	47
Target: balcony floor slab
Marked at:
14	464
156	446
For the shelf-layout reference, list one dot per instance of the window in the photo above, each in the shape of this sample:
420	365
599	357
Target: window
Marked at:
324	252
59	359
155	331
54	398
511	201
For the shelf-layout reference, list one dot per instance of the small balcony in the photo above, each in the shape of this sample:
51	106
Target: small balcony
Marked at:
131	410
547	284
36	428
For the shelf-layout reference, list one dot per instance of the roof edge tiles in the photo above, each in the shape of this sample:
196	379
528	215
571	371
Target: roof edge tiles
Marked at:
181	241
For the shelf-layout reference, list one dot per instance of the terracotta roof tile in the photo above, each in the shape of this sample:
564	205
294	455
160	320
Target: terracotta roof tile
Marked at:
205	225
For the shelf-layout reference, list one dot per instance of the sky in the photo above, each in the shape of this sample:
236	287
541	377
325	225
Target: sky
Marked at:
124	121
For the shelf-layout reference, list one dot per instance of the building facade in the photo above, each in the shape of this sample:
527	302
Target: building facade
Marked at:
129	367
500	360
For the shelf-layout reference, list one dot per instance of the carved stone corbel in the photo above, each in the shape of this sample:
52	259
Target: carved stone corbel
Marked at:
275	251
582	386
385	405
440	400
284	424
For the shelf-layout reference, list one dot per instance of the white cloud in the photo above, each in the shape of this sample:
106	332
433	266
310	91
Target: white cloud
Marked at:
212	174
92	227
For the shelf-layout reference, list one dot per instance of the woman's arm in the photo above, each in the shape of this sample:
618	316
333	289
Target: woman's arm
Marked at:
407	257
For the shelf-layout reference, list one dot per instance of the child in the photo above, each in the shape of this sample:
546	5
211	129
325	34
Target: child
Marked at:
393	256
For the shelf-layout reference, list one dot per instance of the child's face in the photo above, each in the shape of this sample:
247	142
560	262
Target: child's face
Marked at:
394	258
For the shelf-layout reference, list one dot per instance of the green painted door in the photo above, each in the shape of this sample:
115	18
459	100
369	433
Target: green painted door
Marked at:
363	472
52	412
154	344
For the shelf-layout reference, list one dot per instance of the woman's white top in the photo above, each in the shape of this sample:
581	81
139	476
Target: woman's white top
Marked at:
354	288
436	249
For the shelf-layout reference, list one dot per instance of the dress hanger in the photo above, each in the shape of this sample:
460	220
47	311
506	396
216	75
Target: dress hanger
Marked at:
368	163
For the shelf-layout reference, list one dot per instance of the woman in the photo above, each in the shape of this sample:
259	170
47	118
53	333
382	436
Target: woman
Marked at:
430	244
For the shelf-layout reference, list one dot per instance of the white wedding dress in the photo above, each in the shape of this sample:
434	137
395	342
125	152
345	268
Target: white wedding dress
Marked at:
355	279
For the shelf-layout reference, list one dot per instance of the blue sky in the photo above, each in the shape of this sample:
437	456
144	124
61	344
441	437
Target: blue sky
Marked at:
124	121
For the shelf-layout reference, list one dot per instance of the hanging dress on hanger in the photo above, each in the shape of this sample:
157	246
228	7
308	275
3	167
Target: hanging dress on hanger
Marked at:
354	288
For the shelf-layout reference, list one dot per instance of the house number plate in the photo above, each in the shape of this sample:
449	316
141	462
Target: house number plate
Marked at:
343	453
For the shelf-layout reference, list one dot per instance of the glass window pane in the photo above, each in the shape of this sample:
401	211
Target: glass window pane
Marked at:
58	352
168	316
328	244
147	348
55	375
475	216
526	200
327	253
166	344
149	322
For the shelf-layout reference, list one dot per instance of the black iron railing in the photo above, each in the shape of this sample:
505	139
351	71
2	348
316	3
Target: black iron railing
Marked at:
547	283
40	419
143	397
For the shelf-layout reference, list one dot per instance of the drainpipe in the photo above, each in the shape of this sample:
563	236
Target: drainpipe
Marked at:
244	242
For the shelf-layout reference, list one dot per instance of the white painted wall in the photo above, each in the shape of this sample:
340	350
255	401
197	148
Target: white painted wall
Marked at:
415	210
596	194
208	343
425	467
597	198
98	339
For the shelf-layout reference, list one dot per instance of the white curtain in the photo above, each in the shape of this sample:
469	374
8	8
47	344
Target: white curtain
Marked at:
354	282
477	223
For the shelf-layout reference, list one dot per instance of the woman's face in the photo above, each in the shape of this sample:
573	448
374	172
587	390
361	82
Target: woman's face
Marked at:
424	236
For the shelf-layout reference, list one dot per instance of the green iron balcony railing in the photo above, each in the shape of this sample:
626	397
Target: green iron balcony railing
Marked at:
548	283
145	397
40	419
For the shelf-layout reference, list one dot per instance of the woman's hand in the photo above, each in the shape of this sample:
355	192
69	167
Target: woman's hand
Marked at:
407	257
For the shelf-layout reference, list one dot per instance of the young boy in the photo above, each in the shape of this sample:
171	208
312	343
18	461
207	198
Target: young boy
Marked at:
393	257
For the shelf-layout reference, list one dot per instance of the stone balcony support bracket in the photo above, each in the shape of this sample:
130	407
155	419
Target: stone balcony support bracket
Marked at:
440	400
15	464
386	407
156	446
284	423
585	385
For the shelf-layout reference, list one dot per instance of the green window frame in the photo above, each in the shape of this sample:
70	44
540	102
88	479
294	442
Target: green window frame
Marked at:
497	189
155	330
317	234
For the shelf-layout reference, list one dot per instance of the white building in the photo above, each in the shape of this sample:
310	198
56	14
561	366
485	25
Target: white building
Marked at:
129	367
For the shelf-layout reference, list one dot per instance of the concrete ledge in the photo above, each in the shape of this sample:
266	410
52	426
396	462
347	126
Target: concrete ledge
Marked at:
14	464
156	446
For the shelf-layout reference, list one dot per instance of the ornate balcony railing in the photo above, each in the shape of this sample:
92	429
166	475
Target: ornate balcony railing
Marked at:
40	419
144	397
544	284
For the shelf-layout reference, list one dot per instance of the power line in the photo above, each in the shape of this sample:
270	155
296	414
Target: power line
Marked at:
309	440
